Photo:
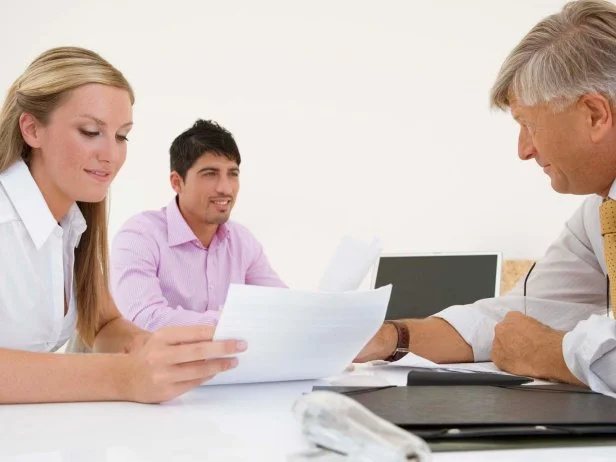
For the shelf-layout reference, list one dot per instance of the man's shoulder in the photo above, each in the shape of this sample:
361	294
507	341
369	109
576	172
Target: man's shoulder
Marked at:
148	223
240	233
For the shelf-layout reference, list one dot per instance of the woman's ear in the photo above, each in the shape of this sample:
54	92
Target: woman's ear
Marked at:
30	130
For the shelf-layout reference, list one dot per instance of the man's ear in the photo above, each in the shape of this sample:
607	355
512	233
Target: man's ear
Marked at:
599	115
30	130
177	183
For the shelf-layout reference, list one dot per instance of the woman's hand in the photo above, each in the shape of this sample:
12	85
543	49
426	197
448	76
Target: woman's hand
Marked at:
173	360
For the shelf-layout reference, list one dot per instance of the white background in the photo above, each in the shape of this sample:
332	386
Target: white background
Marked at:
367	118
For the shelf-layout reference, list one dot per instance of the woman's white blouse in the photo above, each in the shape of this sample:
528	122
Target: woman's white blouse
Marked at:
37	258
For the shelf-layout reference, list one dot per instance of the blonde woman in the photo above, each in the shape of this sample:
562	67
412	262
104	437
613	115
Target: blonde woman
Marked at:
63	135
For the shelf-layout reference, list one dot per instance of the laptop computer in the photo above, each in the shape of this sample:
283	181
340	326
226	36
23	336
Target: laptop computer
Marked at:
424	284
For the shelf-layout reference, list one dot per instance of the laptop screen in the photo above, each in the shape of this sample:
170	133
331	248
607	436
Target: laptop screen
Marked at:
425	284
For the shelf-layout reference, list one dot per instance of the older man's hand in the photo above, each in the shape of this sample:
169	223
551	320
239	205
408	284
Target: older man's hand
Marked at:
524	346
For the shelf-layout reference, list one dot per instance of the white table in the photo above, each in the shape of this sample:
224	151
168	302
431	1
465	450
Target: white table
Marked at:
219	423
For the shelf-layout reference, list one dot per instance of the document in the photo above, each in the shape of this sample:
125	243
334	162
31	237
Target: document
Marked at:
297	335
350	264
413	360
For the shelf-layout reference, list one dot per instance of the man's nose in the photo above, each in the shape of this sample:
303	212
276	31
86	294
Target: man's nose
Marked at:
224	186
526	147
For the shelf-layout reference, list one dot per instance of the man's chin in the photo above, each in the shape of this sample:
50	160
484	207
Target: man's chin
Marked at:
559	186
218	220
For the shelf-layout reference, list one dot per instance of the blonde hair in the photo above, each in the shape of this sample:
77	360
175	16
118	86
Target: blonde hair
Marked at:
565	56
38	91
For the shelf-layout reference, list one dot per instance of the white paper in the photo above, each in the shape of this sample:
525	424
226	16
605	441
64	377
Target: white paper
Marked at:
297	335
475	367
350	264
412	360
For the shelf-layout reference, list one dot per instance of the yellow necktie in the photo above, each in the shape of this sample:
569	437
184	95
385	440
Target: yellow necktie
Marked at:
607	213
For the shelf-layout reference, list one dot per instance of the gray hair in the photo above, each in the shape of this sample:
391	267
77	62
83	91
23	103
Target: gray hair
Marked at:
565	56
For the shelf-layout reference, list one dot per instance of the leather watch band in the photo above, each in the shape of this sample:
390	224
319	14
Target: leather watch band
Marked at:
402	346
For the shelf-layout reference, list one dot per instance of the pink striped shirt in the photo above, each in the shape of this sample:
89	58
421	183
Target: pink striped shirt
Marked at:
161	275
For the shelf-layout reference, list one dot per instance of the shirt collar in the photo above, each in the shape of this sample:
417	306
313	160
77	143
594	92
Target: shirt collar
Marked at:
612	193
30	205
179	232
75	223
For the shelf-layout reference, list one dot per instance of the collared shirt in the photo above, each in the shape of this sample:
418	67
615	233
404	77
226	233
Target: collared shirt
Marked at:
37	258
161	274
566	291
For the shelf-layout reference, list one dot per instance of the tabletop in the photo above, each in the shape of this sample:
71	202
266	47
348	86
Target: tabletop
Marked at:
250	422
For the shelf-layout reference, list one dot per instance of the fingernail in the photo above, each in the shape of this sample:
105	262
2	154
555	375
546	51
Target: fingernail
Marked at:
241	345
233	362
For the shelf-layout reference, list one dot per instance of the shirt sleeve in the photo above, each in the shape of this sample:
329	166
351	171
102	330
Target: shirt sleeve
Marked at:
136	288
260	272
564	291
590	353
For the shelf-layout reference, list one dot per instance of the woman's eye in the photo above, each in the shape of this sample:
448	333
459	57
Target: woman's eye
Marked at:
89	133
122	138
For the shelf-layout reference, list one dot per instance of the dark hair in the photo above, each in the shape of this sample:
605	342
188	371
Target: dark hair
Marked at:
205	136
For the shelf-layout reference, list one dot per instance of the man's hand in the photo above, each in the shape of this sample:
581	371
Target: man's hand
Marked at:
380	346
524	346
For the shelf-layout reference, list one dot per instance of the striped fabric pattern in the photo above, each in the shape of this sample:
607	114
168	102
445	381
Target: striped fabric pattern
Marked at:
161	274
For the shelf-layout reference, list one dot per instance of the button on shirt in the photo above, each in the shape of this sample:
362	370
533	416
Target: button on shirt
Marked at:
566	291
161	274
37	258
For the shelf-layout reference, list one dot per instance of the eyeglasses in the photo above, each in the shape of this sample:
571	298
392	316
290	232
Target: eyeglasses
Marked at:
607	290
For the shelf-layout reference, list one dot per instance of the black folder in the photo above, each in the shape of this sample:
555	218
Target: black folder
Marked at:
419	376
459	412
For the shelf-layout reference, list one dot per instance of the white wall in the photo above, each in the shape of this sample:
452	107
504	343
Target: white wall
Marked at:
353	117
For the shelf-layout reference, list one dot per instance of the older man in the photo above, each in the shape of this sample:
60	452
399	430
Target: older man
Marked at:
560	85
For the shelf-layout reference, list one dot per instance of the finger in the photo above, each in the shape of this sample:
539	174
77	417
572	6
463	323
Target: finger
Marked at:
185	334
183	387
189	352
513	315
202	370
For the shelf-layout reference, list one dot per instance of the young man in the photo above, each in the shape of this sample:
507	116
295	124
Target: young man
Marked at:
173	267
560	85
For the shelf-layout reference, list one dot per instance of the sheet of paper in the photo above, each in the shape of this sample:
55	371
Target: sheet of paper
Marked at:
412	360
350	264
297	335
474	367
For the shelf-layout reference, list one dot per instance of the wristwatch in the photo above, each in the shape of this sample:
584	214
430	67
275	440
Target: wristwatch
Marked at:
402	346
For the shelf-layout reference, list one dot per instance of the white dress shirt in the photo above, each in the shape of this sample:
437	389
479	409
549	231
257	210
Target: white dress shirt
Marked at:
37	256
567	291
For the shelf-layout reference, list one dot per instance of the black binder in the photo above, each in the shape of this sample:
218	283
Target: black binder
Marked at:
458	412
